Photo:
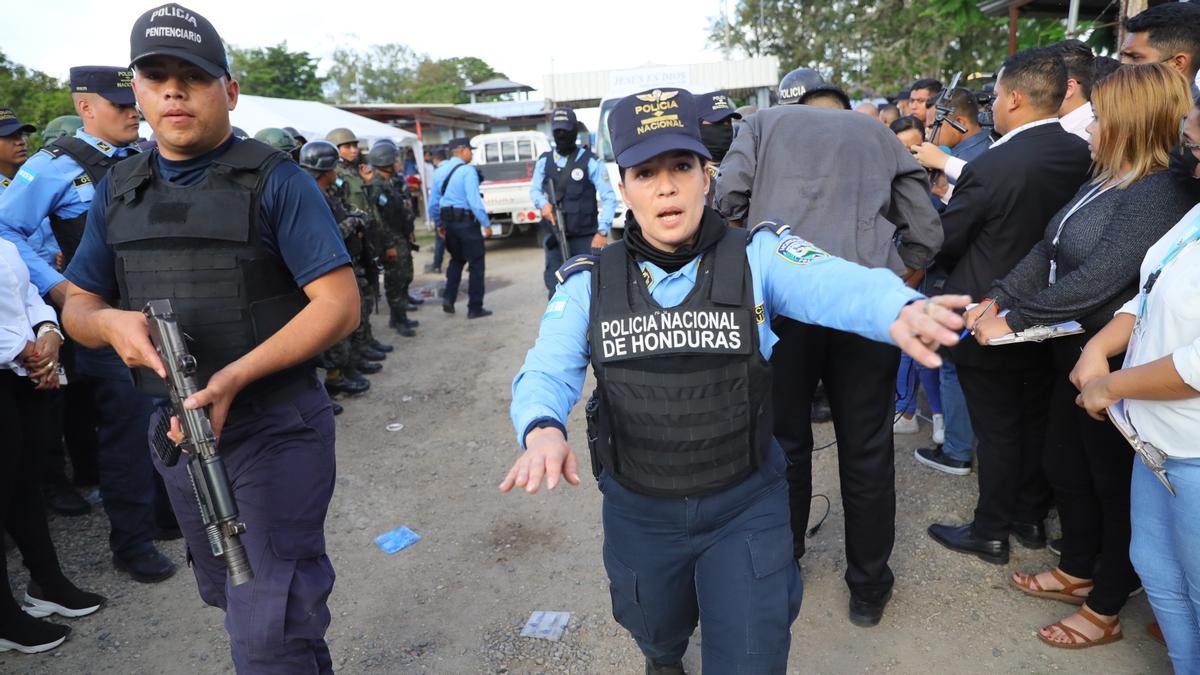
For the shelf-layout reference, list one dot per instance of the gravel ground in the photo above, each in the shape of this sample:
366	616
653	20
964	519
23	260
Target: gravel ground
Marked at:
455	602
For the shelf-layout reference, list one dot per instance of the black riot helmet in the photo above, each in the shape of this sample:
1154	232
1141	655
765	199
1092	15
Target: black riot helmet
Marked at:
319	156
796	84
383	154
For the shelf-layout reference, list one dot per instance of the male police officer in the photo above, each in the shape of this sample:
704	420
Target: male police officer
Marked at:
14	149
574	176
58	183
805	86
319	159
457	209
716	132
675	320
865	190
396	234
243	244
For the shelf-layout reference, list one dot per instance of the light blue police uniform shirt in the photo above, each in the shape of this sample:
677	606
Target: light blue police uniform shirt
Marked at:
599	178
462	192
791	278
43	186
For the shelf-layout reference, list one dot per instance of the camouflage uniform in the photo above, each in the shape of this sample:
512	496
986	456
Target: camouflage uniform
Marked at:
346	353
351	191
391	205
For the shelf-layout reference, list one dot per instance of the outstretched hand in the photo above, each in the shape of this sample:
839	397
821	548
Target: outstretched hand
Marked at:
548	456
926	324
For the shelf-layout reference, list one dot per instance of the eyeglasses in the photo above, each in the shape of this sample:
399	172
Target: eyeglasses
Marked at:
1192	147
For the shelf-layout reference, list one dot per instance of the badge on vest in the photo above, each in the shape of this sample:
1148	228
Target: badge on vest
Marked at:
577	174
675	331
799	252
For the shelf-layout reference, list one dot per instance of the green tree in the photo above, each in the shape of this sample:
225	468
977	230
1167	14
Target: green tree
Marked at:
394	73
34	96
277	72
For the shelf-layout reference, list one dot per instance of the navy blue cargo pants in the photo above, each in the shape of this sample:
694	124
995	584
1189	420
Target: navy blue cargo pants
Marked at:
723	559
464	243
280	462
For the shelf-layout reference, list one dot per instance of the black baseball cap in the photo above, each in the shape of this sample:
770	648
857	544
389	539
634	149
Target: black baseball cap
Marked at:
114	83
460	142
174	30
563	119
9	124
715	107
652	122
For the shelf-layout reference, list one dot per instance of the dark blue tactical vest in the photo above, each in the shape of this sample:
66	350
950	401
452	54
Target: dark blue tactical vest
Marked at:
683	393
68	232
575	192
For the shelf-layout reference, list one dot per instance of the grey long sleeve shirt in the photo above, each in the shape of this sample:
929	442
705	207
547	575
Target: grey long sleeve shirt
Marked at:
841	180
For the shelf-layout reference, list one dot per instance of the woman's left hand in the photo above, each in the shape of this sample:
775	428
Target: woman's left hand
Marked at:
43	363
987	329
1096	397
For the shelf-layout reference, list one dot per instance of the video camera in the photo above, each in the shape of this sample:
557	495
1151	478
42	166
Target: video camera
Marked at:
983	85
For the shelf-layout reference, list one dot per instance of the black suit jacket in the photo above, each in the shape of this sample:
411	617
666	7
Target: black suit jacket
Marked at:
999	210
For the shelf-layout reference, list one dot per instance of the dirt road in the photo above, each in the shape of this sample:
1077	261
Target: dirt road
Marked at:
455	601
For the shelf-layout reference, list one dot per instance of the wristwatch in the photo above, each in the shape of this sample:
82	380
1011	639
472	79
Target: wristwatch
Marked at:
50	327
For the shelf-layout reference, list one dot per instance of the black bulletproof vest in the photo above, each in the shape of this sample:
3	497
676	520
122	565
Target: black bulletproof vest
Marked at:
95	164
575	192
199	246
684	393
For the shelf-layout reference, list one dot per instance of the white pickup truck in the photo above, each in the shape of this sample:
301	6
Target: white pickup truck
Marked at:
505	161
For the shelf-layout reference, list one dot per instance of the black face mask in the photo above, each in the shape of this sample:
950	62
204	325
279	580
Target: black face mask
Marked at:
717	138
564	143
1183	163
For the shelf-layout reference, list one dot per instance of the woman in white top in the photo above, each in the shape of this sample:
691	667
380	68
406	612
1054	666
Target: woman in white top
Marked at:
29	342
1160	386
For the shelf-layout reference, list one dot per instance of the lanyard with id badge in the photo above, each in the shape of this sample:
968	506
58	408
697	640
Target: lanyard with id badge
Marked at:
1152	457
1088	198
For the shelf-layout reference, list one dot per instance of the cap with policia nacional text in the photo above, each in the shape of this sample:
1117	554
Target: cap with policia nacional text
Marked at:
563	119
9	124
715	107
114	83
652	122
172	30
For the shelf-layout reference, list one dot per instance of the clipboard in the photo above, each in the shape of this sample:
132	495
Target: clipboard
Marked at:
1151	456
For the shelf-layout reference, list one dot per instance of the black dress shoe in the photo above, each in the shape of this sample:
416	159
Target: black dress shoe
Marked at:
337	409
368	367
346	385
380	347
65	500
653	668
478	313
372	355
867	612
962	539
448	307
1030	535
149	567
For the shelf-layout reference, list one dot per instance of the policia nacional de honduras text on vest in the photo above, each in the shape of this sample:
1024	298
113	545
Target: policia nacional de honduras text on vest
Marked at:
682	405
199	246
68	232
575	191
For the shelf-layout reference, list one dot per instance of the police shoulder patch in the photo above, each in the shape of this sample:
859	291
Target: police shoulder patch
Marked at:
557	306
575	265
799	252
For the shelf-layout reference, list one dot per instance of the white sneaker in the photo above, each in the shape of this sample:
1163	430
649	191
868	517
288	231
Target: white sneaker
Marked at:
939	429
906	425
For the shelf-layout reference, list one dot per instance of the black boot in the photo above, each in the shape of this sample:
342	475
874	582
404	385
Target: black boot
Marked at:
415	301
368	367
401	323
380	347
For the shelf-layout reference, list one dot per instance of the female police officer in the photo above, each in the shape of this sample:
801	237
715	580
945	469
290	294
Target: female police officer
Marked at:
675	320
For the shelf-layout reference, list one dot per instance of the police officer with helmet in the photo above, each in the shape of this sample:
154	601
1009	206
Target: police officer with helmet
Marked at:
241	241
319	159
574	176
456	207
57	185
279	139
396	234
63	125
675	320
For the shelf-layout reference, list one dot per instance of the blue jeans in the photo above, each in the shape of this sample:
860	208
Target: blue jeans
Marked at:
1165	550
960	438
907	378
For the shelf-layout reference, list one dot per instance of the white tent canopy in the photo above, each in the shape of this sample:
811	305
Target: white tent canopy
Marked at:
311	118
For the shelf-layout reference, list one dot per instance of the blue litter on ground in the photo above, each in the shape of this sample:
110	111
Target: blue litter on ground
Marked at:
397	540
546	625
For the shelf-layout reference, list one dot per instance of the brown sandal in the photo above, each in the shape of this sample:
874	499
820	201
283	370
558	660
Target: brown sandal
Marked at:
1029	585
1079	640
